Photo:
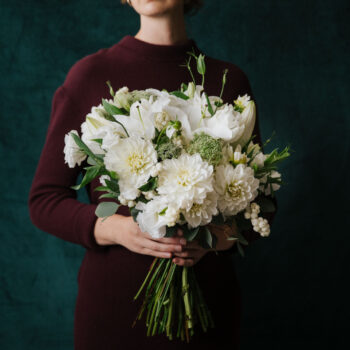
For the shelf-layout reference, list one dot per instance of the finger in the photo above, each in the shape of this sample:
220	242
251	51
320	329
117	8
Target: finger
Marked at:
183	262
161	247
155	253
180	232
186	254
171	240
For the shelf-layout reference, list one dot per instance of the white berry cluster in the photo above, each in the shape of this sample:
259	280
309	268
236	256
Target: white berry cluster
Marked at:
123	201
260	224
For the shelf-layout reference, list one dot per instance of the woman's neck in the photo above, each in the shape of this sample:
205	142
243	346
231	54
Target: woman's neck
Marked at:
169	29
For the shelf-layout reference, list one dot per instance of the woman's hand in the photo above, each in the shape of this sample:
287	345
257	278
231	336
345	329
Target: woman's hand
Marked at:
193	252
119	229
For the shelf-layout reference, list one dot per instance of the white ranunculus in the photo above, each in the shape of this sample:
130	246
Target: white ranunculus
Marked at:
185	180
72	153
226	124
133	160
201	214
236	187
155	215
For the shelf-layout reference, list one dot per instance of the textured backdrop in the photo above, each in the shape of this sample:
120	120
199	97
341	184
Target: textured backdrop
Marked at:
296	55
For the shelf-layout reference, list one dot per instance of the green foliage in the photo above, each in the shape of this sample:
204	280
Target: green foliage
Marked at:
151	185
105	209
179	94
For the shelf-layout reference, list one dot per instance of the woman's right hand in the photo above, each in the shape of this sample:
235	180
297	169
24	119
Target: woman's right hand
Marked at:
123	230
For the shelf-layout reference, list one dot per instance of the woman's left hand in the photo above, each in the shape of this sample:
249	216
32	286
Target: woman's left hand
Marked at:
193	251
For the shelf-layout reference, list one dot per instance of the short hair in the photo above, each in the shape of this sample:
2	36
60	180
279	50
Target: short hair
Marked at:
190	6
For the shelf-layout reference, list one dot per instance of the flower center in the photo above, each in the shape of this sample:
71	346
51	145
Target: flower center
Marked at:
183	178
136	162
196	209
234	190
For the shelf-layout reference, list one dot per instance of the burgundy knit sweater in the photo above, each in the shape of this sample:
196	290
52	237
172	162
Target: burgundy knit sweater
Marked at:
110	275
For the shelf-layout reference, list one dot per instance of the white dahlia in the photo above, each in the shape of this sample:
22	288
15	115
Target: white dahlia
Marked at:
236	187
185	180
72	153
132	159
201	214
155	215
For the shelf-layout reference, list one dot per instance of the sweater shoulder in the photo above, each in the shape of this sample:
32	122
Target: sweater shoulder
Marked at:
87	70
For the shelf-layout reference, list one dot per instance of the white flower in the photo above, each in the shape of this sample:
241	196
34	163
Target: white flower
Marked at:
132	159
185	180
72	153
259	159
275	186
242	101
249	117
236	187
155	215
201	214
225	124
97	127
238	156
103	179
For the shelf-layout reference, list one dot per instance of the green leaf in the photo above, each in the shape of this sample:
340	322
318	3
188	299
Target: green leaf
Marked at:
91	161
90	174
179	94
184	87
101	188
85	148
109	195
113	185
205	237
111	109
134	212
150	185
210	108
201	64
170	231
190	234
105	209
161	213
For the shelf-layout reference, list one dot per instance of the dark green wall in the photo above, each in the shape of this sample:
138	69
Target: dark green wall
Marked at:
296	55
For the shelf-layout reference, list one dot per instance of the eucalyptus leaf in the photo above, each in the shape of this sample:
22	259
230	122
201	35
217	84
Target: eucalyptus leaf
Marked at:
134	212
105	209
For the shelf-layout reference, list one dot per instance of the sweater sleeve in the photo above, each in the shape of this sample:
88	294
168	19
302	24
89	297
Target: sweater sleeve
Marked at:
53	205
251	235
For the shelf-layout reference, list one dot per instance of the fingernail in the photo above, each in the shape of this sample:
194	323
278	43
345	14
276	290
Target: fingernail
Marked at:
178	248
183	241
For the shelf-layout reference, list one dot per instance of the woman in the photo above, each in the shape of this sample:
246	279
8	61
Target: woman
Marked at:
118	254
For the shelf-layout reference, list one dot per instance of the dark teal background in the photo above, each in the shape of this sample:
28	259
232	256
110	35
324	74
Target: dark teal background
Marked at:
296	55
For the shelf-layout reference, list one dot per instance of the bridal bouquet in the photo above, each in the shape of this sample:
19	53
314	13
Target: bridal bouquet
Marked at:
179	159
